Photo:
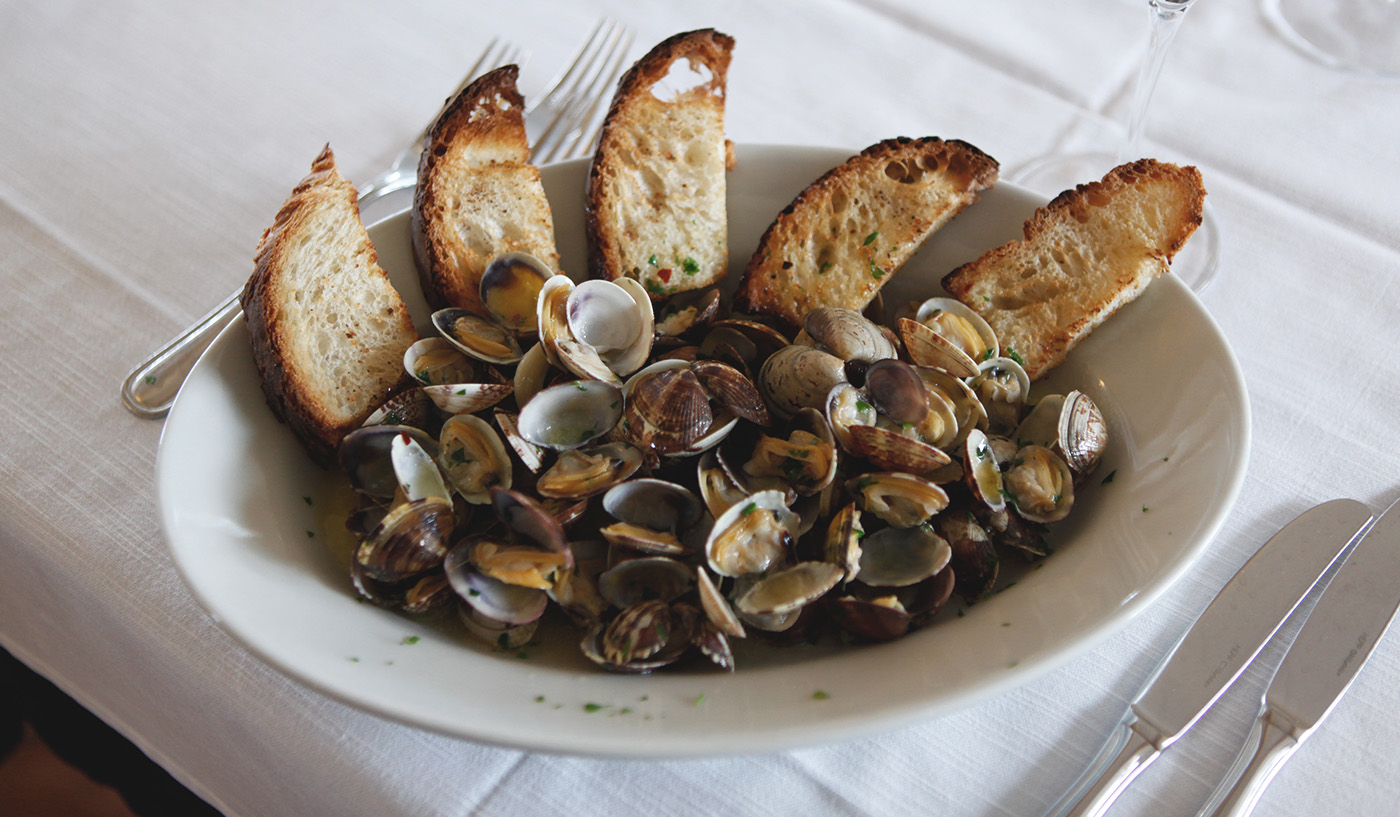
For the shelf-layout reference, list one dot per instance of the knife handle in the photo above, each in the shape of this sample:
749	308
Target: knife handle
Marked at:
1129	750
1274	738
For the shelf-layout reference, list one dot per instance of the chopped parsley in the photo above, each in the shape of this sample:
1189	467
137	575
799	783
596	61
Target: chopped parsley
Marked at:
819	695
594	707
306	499
689	265
823	268
652	260
410	639
870	239
150	380
749	508
1011	353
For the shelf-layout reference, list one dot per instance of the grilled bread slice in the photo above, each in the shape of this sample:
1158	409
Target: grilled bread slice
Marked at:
478	195
1085	254
853	228
655	200
328	329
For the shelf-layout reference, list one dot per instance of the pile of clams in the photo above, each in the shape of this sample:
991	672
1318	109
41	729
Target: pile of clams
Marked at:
672	480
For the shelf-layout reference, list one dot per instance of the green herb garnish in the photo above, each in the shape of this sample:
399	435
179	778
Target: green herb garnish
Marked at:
819	695
652	260
749	508
689	265
870	239
410	639
1109	478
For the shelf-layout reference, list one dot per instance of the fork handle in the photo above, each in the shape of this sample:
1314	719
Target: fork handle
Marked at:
151	387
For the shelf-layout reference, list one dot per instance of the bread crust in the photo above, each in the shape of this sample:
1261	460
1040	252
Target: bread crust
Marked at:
473	174
290	395
850	231
634	109
1039	294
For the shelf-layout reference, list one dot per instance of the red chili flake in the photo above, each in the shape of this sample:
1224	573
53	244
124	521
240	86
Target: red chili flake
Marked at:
664	274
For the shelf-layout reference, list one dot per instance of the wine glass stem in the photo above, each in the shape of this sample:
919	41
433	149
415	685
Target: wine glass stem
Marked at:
1166	18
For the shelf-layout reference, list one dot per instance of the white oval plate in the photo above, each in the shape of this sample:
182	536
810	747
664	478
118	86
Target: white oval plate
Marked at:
248	519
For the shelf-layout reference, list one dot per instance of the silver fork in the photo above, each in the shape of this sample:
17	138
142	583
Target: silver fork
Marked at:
568	113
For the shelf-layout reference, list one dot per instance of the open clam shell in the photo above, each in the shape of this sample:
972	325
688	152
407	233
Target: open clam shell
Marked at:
981	471
583	472
1040	484
365	455
510	289
957	323
901	500
571	415
1002	386
789	589
648	577
438	360
899	557
928	348
753	536
478	336
473	458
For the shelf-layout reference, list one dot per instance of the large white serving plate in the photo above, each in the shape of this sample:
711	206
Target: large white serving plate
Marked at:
249	520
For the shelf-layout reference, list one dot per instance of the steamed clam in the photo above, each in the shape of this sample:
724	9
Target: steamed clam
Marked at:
672	483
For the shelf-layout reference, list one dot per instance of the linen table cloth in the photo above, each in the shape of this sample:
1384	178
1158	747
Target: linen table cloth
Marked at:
145	146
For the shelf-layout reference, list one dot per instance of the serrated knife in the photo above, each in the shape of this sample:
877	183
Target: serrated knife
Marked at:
1351	617
1228	635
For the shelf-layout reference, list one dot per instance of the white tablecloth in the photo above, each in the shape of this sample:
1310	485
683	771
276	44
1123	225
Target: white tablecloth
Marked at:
145	146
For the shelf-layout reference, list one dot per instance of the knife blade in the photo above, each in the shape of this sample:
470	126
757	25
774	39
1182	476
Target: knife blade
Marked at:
1227	636
1349	620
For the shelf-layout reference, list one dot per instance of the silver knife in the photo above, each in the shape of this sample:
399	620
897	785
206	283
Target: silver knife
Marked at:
1222	642
1350	618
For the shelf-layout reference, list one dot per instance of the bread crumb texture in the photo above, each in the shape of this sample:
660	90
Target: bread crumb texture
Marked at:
1084	255
851	230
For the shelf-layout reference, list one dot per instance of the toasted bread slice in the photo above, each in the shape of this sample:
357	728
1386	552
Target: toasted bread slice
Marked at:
655	201
478	196
1085	254
853	228
328	329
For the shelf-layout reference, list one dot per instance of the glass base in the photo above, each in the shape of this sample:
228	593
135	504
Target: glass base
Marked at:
1197	263
1356	35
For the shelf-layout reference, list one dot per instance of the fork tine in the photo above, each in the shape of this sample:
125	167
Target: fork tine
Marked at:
565	84
566	130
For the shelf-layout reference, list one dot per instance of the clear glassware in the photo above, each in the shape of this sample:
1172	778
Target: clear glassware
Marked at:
1355	35
1197	263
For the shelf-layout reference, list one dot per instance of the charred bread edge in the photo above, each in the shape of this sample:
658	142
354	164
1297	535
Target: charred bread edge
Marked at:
432	269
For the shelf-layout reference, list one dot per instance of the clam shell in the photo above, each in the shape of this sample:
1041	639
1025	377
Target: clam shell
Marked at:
648	577
974	557
510	289
365	457
981	471
732	389
716	608
842	545
893	451
411	539
753	536
797	377
1082	434
571	415
580	473
967	330
902	500
789	589
1040	484
473	458
467	398
847	334
667	410
477	336
900	557
438	360
928	348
